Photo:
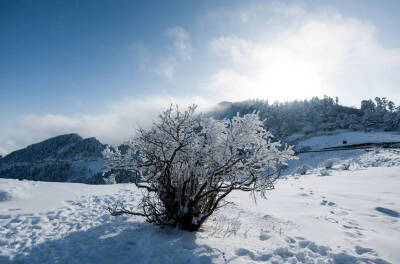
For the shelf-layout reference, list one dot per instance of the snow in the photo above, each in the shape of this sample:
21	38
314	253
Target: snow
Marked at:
335	138
349	216
354	137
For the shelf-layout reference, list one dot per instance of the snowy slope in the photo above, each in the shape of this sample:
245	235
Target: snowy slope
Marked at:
353	137
334	139
347	217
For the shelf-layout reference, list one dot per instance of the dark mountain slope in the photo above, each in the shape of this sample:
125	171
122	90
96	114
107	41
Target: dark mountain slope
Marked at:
62	158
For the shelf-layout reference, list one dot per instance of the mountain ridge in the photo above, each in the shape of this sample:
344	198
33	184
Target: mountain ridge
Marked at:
64	158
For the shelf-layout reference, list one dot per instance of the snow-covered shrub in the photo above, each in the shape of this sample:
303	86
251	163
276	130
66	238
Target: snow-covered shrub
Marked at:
302	170
356	127
324	172
346	165
188	164
328	164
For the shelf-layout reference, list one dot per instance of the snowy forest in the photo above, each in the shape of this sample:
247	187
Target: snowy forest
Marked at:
317	114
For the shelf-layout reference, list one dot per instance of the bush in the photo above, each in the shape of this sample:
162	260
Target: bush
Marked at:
324	172
302	170
346	166
328	164
188	164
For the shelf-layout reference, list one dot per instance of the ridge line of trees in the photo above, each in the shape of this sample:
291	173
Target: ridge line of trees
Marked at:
317	114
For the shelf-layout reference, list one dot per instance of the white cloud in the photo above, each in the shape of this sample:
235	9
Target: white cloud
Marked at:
181	42
310	55
166	69
116	124
180	51
142	56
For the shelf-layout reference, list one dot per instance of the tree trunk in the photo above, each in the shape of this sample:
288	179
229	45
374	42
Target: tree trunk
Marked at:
186	223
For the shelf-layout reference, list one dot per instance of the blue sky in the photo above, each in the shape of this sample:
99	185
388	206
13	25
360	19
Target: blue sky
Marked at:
101	68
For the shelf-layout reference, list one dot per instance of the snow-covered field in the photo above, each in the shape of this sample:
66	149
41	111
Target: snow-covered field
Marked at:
349	216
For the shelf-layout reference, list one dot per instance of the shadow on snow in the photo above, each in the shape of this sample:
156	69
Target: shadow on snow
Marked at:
121	242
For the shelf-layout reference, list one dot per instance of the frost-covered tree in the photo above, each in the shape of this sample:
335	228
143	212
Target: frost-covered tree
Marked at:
367	106
315	115
187	164
391	106
302	170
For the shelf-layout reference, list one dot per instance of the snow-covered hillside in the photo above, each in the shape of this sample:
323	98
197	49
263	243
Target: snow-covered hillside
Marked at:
350	216
336	138
65	158
357	157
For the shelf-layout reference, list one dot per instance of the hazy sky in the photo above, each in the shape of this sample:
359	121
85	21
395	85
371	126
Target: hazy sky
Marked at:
100	68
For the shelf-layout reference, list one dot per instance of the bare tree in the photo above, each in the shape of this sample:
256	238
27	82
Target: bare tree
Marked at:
187	164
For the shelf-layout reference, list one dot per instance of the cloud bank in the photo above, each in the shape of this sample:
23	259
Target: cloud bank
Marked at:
117	124
306	55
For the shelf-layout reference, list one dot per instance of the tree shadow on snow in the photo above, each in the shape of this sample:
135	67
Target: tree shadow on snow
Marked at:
121	242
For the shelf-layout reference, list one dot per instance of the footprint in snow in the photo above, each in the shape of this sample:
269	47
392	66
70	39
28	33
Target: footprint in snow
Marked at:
290	240
325	202
360	250
5	216
34	220
253	256
387	211
332	220
264	236
4	196
14	209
